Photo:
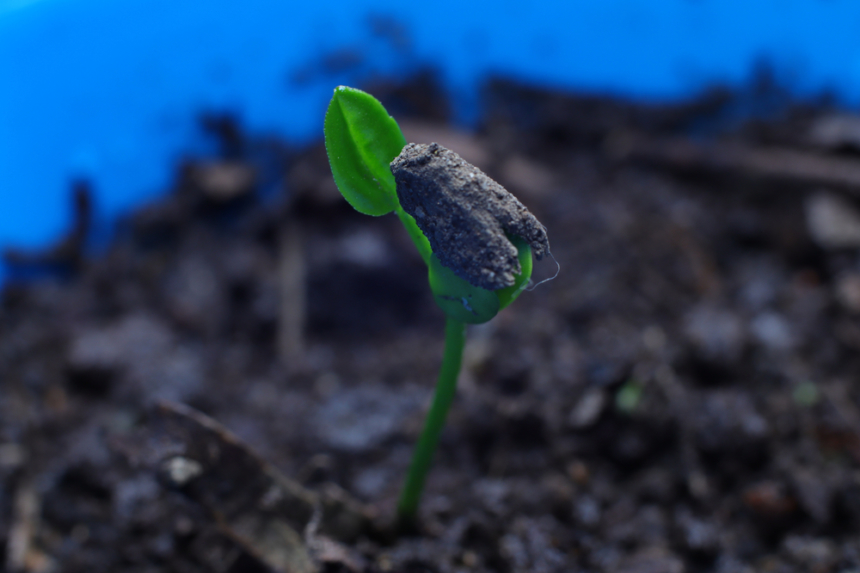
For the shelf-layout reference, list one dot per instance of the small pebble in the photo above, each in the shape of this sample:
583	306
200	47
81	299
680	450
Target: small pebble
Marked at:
848	292
833	222
182	470
588	409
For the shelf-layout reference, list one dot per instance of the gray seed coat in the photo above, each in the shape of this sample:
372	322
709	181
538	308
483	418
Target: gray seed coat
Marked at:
465	215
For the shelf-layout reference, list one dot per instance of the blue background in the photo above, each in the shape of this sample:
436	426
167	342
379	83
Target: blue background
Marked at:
112	90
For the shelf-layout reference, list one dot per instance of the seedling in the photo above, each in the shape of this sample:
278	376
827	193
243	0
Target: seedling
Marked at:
476	239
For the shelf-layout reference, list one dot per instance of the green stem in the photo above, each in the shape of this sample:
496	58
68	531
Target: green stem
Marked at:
421	242
446	387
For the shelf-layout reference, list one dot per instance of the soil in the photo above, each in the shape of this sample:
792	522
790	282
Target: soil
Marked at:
681	398
466	216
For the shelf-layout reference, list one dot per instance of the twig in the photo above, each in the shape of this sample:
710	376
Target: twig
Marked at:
697	481
20	542
767	163
253	504
291	278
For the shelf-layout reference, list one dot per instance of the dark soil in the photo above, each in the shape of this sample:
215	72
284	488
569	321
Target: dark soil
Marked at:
682	398
465	215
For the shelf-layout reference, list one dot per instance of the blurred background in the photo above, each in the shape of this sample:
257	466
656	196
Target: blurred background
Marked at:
177	265
112	93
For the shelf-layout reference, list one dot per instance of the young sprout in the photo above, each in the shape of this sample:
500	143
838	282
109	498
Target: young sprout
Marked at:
476	239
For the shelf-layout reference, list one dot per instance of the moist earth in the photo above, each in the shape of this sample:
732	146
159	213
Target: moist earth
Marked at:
681	398
466	216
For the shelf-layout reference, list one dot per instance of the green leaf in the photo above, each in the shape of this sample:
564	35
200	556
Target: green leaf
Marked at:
362	140
460	300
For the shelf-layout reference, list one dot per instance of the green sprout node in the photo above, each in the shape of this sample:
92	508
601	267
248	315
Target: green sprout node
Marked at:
476	239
